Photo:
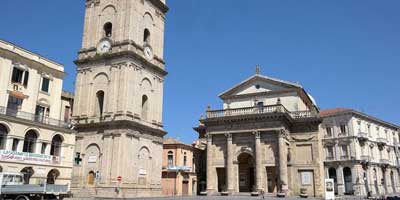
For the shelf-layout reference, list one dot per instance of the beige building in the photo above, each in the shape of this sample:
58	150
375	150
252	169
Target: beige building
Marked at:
361	153
266	138
181	163
119	99
35	134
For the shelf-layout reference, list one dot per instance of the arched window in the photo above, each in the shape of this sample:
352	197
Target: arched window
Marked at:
108	29
146	36
52	176
56	144
30	141
3	136
100	102
91	177
170	158
145	107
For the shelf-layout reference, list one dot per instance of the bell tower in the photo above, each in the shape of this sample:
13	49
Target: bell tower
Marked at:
119	97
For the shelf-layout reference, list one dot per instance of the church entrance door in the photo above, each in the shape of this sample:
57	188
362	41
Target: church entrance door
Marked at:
246	172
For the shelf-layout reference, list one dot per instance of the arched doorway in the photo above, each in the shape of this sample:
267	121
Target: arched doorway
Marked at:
52	176
91	177
246	172
28	173
348	182
393	182
332	175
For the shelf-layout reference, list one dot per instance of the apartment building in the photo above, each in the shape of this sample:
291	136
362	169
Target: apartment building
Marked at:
361	152
181	165
35	133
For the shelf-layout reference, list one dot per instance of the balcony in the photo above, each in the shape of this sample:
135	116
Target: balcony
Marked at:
384	161
33	117
381	141
365	159
362	136
259	110
330	158
346	157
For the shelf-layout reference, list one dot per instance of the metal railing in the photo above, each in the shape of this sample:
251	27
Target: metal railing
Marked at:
33	117
259	110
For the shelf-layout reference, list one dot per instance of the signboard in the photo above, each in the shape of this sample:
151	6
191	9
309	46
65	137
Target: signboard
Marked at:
26	157
329	189
306	178
92	159
142	172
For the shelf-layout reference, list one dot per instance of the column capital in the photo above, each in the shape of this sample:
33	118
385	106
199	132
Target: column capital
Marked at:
257	134
283	133
228	136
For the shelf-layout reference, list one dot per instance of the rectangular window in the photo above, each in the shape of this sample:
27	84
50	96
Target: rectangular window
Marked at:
13	105
15	144
40	113
343	129
329	131
345	152
26	79
45	84
329	155
67	113
17	75
43	150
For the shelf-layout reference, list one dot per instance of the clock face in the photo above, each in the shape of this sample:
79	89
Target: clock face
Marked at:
104	46
148	52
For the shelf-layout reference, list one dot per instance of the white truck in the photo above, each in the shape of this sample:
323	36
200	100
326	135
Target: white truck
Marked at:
13	187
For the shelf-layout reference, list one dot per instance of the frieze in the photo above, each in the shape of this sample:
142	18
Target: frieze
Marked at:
303	139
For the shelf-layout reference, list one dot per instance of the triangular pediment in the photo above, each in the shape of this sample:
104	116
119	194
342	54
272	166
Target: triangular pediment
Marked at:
259	84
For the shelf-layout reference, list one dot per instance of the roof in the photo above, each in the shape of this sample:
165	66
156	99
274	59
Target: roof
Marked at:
172	141
261	77
338	111
333	111
8	46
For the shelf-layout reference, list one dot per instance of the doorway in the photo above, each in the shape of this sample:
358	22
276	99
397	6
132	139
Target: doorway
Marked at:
271	180
246	172
221	176
185	188
348	182
332	175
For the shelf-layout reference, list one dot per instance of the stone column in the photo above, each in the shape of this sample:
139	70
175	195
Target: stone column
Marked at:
210	177
283	171
258	161
229	163
340	180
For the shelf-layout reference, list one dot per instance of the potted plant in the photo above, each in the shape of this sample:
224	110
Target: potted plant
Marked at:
303	193
254	192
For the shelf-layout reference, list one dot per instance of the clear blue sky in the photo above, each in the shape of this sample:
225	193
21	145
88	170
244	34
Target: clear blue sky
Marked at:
345	53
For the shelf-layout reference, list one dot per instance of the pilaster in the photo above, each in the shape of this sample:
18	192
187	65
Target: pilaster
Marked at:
229	163
283	173
210	175
259	174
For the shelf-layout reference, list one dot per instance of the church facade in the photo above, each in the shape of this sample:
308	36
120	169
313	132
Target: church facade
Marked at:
118	100
265	139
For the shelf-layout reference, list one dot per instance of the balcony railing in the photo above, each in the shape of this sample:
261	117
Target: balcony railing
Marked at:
363	136
33	117
365	158
381	141
259	110
384	161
